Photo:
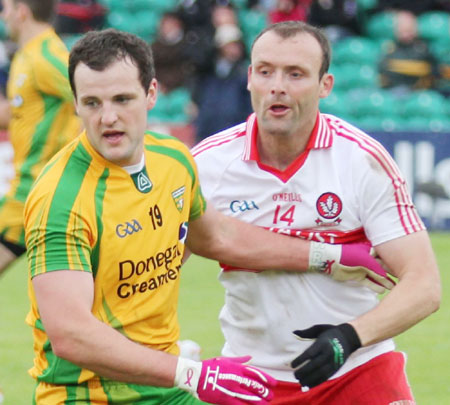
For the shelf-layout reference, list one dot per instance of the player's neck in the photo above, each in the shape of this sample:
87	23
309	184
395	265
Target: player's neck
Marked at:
31	30
280	150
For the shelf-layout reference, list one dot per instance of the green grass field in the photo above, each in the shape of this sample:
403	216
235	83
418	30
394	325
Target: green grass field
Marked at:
201	297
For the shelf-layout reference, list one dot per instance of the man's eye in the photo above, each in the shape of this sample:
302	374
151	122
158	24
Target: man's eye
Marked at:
91	103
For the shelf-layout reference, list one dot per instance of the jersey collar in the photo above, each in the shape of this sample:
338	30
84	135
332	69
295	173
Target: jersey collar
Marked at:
320	138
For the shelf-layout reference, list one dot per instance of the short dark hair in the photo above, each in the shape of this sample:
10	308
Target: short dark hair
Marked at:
42	10
288	29
99	49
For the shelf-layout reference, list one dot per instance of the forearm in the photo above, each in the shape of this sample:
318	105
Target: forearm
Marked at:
416	295
110	354
65	299
395	314
247	246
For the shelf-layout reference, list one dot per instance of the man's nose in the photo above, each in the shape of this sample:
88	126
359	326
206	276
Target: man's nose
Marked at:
109	115
278	84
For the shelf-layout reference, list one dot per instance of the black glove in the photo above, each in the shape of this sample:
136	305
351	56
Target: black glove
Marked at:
326	355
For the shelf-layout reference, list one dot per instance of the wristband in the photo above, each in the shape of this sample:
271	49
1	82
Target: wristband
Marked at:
320	253
187	375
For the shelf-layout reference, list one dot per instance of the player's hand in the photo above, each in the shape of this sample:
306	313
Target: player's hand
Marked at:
225	380
352	261
326	355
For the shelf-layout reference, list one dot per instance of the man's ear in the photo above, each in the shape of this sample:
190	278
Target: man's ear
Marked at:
152	94
326	85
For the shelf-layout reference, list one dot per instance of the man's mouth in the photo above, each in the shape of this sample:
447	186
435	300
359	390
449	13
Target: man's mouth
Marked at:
278	109
113	136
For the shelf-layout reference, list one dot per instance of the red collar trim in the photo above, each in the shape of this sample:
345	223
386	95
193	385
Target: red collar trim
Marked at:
320	138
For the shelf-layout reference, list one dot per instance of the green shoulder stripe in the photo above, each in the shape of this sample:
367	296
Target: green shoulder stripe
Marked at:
38	142
174	154
161	136
54	60
63	200
99	198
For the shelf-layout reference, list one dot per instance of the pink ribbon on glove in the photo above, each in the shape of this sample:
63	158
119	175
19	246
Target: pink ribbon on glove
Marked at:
228	381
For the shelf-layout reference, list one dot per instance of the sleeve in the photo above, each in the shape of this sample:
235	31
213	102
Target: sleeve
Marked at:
207	173
51	70
385	205
198	202
56	234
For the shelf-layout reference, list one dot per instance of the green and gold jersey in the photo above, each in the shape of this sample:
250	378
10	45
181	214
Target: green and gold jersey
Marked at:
87	214
42	112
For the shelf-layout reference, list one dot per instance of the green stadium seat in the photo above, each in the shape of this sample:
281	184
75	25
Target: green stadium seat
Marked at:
366	5
424	103
425	124
356	49
351	75
374	103
3	30
251	23
157	6
70	39
364	76
385	124
170	107
146	23
239	4
114	5
381	25
441	50
335	104
434	25
121	20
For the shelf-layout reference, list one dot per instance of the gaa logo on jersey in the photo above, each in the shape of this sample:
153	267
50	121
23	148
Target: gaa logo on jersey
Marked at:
329	207
128	228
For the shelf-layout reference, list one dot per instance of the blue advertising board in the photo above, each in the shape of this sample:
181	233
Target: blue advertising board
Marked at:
424	160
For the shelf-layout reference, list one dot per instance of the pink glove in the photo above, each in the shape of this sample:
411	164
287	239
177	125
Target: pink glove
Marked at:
224	380
353	261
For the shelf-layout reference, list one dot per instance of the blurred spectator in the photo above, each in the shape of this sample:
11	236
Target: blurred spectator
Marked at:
223	14
289	10
339	18
172	62
221	96
79	16
408	64
199	31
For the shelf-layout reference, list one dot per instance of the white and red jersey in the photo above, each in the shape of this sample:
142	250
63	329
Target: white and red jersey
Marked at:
344	188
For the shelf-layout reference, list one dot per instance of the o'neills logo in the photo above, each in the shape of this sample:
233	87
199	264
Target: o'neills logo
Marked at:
329	207
289	197
138	277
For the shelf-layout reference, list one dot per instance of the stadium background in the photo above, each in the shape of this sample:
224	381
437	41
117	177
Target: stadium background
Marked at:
416	132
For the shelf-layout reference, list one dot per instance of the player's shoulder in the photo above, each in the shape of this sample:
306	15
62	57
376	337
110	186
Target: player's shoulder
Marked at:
227	143
65	171
169	147
345	133
48	46
67	162
155	141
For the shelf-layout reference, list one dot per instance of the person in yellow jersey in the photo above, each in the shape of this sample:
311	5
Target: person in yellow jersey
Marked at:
106	223
38	111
